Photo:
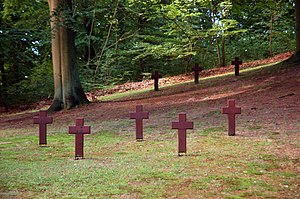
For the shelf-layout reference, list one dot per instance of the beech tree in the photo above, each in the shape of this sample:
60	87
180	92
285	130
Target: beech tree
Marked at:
117	41
68	91
297	18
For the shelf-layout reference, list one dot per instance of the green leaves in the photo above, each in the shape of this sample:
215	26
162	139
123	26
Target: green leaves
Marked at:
124	38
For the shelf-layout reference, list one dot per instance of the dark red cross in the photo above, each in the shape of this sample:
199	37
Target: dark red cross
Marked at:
155	76
236	64
139	115
196	70
231	110
182	125
42	120
79	130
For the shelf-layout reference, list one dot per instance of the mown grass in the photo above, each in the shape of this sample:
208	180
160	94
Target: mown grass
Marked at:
116	166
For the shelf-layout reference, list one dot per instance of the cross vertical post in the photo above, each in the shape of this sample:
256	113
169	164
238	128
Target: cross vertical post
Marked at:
182	125
236	64
196	70
139	115
42	120
155	76
231	110
79	130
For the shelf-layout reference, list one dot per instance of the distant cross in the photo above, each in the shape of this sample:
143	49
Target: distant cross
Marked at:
79	130
155	76
196	70
42	120
139	115
236	64
182	125
231	110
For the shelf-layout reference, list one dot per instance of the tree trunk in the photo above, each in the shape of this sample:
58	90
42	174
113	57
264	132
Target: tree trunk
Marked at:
16	73
55	44
219	52
223	52
297	19
271	34
3	75
67	86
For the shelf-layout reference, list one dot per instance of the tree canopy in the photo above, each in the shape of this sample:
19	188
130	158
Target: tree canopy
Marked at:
116	41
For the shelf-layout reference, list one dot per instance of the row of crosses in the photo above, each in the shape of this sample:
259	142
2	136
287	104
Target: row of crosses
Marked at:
182	125
79	130
197	69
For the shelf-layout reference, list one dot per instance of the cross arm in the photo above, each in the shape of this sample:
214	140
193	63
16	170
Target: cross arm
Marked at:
79	129
236	110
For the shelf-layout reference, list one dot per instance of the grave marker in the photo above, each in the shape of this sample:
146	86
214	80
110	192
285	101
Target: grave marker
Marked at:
231	110
196	70
236	64
182	125
42	120
79	130
155	76
139	115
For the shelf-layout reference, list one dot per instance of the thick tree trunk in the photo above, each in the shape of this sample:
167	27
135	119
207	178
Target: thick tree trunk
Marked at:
67	86
67	63
55	42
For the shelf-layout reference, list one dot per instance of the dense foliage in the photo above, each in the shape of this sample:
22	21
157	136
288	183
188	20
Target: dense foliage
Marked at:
119	40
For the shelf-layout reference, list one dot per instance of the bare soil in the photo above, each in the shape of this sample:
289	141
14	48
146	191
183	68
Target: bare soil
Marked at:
269	98
270	101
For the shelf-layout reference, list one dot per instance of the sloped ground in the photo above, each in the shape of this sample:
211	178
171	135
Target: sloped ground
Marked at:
269	97
185	77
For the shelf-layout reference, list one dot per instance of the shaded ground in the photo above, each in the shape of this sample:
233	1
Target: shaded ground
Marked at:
185	77
270	105
269	97
269	101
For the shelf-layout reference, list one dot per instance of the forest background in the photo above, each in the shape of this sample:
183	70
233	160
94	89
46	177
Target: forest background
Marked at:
119	41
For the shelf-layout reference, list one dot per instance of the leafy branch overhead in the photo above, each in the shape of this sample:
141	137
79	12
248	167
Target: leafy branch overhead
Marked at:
116	41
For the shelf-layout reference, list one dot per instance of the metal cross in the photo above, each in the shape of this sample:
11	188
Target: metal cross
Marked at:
231	110
196	70
182	125
236	64
155	76
79	130
139	115
42	120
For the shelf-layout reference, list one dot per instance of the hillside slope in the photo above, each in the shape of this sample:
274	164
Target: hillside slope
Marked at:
269	98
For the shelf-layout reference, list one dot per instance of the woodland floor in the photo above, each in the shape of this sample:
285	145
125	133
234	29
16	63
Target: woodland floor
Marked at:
269	97
270	103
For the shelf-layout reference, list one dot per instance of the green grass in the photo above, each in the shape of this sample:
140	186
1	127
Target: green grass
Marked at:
138	94
116	96
116	166
211	131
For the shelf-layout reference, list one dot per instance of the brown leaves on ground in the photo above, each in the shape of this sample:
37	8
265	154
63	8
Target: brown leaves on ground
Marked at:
185	77
270	111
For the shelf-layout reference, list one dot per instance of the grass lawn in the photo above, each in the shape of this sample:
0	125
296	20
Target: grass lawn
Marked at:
116	166
262	161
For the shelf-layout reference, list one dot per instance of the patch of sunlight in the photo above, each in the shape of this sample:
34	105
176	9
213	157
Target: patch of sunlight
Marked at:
136	92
